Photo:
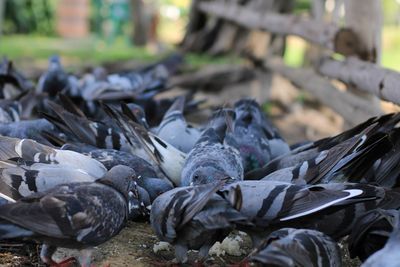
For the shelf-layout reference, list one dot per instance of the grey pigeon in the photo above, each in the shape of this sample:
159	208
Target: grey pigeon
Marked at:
371	232
28	129
96	134
389	255
212	158
375	125
111	157
154	186
192	217
32	151
169	159
349	161
55	80
126	85
9	75
257	140
175	130
28	167
78	215
139	114
10	111
145	173
297	247
93	133
329	208
139	203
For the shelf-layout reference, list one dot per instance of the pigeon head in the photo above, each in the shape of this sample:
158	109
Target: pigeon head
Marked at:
54	62
139	113
206	175
139	201
119	177
248	109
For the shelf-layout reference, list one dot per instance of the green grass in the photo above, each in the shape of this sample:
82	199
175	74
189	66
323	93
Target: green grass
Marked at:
87	51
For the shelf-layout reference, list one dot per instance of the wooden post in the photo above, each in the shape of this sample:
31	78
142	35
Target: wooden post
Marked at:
313	52
140	26
364	18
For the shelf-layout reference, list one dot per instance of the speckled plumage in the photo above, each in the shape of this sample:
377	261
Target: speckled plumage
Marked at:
218	160
77	215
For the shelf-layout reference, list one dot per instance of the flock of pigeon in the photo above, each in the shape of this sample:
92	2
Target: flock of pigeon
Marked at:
79	156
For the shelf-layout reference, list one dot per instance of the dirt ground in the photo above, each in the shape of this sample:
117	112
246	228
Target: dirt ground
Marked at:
298	117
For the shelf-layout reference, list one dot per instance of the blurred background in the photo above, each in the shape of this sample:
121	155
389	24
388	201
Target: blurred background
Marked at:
91	32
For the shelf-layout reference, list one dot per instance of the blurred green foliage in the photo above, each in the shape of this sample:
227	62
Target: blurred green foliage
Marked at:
28	16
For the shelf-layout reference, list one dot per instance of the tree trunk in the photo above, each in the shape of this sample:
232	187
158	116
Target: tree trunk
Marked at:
140	24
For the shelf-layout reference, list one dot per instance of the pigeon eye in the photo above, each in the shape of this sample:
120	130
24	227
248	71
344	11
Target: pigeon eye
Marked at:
196	177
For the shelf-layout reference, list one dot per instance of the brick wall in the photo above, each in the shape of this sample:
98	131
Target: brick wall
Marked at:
73	18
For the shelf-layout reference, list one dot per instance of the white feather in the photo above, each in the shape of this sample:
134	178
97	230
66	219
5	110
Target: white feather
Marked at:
7	198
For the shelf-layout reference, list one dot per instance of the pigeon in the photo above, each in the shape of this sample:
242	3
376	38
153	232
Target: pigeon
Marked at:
125	85
212	158
76	215
111	157
139	203
139	114
155	109
254	136
55	80
96	134
297	247
329	208
145	173
193	217
371	232
388	256
175	130
22	178
31	151
169	159
348	161
29	129
9	75
154	186
10	111
27	167
375	126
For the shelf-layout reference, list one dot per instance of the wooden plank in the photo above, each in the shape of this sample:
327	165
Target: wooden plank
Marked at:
352	108
213	77
366	76
325	34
